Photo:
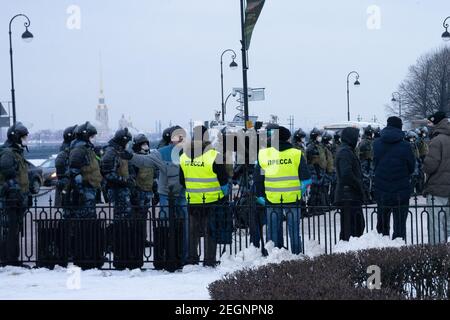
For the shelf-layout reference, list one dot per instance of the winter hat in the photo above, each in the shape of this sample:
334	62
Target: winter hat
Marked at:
395	122
284	133
437	117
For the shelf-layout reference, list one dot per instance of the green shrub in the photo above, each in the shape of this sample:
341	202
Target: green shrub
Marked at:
412	272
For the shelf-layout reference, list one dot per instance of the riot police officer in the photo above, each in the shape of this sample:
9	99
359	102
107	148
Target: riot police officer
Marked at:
62	166
336	143
128	231
84	170
85	180
166	137
376	133
417	179
145	185
422	144
299	140
327	141
14	192
116	173
317	162
366	157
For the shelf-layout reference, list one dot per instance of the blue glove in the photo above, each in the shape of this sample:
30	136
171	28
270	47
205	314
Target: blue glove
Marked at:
12	184
261	201
78	180
304	185
225	189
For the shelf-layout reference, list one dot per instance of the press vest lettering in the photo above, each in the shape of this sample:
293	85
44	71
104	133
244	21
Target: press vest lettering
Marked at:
194	163
279	162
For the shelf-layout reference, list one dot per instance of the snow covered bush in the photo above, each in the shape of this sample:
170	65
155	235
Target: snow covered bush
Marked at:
413	272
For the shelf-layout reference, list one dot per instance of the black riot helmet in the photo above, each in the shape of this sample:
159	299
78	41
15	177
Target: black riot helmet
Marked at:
122	137
69	134
298	135
85	131
138	141
368	132
411	136
167	135
327	137
337	137
377	132
422	132
314	134
16	132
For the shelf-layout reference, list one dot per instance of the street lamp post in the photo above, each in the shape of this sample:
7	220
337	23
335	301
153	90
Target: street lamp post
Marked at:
357	83
446	34
27	36
399	100
233	66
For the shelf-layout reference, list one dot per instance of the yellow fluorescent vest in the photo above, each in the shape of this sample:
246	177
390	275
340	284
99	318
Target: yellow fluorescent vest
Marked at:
202	185
280	169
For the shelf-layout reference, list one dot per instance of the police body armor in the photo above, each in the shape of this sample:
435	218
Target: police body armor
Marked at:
317	163
418	176
365	150
13	202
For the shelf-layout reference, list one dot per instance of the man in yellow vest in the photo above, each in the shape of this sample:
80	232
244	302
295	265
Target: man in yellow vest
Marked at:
203	175
282	177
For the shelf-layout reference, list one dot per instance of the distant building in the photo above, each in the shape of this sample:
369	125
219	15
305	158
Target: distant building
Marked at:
101	113
124	123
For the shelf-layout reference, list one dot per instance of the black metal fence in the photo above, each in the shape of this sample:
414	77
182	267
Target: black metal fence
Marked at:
162	237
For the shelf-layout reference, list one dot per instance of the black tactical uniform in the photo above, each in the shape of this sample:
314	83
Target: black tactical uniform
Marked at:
142	194
330	183
417	178
14	193
298	140
337	143
317	162
84	171
366	157
84	229
62	167
116	173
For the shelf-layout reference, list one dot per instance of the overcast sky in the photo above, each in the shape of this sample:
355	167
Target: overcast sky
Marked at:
161	58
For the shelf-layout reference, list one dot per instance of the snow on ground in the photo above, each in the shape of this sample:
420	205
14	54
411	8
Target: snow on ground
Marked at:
190	283
367	241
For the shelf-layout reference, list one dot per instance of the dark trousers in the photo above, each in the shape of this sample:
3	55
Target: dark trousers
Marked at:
352	220
121	199
400	209
201	225
9	236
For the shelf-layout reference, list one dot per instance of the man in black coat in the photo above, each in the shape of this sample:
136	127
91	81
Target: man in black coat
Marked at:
349	194
394	164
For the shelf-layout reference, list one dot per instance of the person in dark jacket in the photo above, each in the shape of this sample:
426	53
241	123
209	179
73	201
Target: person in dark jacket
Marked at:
394	163
14	191
62	166
437	189
349	194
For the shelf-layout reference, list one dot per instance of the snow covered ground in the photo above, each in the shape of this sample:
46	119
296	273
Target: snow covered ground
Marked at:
190	283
